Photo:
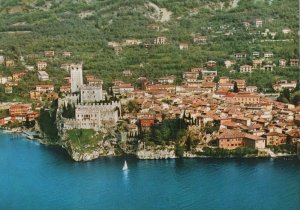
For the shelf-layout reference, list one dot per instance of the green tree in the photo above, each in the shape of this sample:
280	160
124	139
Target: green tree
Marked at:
179	150
235	88
47	121
133	106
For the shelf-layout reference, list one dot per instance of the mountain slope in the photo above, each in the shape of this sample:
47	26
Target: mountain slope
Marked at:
85	27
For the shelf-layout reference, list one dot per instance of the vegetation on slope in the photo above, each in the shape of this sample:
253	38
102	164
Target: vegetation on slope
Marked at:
86	27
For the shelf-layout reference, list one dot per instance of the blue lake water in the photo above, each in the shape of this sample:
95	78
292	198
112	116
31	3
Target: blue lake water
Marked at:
33	176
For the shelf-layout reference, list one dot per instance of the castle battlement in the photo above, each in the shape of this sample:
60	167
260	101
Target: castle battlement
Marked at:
112	104
94	116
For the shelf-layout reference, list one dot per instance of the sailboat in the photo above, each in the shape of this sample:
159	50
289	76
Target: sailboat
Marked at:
125	167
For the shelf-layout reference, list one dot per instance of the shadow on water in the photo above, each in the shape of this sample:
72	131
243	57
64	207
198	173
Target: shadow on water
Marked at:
57	152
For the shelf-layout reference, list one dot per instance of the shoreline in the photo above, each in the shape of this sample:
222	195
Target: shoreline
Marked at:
43	141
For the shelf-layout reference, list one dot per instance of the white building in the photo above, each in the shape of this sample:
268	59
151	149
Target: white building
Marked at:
284	84
167	80
43	76
160	40
229	63
4	80
41	65
258	23
44	88
91	93
76	77
29	67
251	89
246	69
268	55
205	73
95	116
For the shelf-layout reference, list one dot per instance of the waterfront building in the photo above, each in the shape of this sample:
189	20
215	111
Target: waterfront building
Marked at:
19	110
231	139
275	138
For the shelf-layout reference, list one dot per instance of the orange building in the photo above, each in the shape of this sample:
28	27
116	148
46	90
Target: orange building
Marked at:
231	139
275	138
52	96
65	89
35	95
44	88
18	76
146	123
243	98
19	110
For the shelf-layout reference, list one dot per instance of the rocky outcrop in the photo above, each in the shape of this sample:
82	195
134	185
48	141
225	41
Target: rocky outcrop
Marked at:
156	152
189	155
104	148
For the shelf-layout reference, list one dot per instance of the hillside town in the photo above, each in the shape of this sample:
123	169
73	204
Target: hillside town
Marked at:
221	112
150	104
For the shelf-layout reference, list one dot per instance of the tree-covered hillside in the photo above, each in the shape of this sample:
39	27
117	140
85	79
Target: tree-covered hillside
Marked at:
85	27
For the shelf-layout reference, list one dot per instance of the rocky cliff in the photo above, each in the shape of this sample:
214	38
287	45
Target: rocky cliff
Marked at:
156	152
88	153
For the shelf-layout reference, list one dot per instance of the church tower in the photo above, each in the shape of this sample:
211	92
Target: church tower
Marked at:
76	77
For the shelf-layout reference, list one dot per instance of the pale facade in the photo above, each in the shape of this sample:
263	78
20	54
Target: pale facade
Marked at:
43	76
91	93
95	116
41	65
76	77
160	40
246	69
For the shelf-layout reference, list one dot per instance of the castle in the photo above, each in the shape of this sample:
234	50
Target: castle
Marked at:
94	116
76	77
91	112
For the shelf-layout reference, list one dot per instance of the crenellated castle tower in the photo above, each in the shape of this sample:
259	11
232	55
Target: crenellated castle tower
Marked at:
76	77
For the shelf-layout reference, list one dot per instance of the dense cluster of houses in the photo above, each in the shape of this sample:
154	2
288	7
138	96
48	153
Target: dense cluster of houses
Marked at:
18	113
245	118
262	62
